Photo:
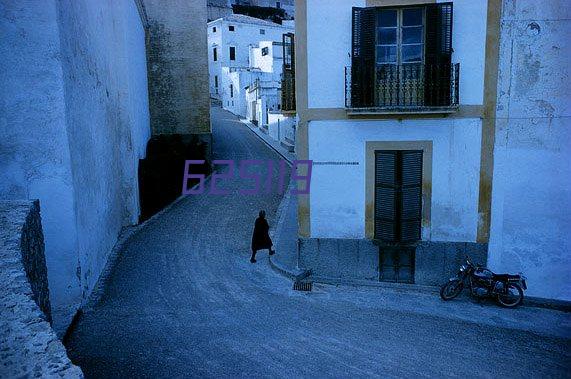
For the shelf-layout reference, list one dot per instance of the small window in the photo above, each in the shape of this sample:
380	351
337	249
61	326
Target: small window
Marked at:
232	53
231	90
262	31
278	4
216	81
265	51
214	29
231	28
215	54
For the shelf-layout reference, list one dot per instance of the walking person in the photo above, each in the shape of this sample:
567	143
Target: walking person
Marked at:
261	237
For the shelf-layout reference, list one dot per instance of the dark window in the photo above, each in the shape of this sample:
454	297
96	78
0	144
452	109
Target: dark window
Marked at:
215	54
231	28
214	29
265	51
232	53
398	195
262	31
231	90
401	56
216	81
278	4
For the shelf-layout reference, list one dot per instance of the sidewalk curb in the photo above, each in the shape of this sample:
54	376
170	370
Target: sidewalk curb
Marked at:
253	128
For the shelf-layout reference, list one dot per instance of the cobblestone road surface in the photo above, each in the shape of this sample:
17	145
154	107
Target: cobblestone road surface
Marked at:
183	301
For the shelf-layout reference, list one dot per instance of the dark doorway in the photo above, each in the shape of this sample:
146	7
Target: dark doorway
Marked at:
398	212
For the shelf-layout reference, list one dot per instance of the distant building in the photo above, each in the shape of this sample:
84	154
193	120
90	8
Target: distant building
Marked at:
219	8
429	145
230	40
287	5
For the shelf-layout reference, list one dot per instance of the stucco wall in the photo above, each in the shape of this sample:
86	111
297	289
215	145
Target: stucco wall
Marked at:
178	66
531	195
108	121
244	36
337	198
74	121
329	48
28	345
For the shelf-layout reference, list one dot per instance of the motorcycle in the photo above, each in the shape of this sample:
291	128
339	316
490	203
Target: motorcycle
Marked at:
505	288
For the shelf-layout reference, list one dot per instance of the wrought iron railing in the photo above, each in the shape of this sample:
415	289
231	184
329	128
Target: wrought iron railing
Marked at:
402	87
288	91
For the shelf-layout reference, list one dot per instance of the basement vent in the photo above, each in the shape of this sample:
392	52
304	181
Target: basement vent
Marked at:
302	286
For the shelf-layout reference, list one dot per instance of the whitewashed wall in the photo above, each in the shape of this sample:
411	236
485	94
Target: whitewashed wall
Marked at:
531	198
243	38
74	122
337	198
329	49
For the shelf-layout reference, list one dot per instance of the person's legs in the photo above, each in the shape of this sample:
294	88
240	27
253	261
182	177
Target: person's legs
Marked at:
253	258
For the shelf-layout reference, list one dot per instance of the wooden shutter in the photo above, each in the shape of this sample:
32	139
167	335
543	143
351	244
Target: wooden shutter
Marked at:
411	196
363	57
398	195
438	55
386	187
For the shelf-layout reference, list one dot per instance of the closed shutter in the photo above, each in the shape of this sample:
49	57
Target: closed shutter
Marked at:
398	196
438	56
411	197
386	187
363	57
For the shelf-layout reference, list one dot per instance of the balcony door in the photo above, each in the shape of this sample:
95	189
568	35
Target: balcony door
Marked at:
400	56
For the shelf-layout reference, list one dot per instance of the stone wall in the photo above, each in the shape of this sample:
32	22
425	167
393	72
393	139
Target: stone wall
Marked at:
178	67
358	259
28	345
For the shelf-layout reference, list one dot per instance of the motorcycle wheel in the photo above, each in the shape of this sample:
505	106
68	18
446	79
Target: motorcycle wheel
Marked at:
451	289
513	297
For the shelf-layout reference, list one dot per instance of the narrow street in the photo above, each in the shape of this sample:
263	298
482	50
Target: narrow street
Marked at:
184	301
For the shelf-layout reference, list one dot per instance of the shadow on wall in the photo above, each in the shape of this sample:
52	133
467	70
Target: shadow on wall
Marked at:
161	172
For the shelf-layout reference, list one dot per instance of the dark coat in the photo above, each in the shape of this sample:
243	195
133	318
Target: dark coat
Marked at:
261	238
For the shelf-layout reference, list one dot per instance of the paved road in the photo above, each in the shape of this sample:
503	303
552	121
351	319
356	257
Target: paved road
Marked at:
183	301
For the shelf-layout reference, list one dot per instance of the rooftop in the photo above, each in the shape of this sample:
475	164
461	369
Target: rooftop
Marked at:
240	18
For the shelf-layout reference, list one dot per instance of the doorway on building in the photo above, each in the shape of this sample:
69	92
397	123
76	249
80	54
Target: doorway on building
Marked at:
398	212
254	109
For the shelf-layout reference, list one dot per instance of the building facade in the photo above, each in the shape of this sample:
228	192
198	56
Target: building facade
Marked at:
400	118
230	40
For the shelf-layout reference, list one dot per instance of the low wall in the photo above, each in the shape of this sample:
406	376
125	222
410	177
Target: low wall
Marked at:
28	345
358	259
281	126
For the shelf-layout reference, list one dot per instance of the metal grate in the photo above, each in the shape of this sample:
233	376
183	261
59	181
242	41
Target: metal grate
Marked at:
403	87
302	286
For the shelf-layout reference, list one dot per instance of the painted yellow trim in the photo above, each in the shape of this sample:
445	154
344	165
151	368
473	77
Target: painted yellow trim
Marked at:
301	93
370	148
320	114
489	122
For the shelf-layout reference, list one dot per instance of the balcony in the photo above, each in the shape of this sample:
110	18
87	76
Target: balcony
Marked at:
402	89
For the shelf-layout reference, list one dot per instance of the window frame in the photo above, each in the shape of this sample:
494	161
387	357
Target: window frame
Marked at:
232	53
263	31
215	54
265	51
214	29
399	34
231	28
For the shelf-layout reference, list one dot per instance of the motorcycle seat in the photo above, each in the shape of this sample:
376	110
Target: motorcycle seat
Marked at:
503	277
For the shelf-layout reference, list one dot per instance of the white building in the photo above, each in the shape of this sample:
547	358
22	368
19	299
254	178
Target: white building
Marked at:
230	40
427	144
